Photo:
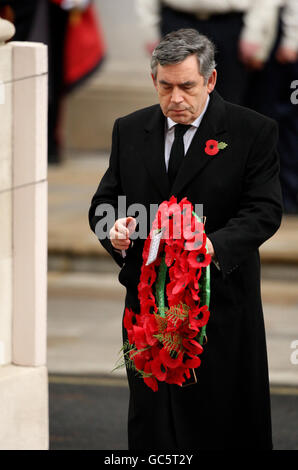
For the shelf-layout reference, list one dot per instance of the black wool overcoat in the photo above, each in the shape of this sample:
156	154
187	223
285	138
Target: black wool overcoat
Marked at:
229	406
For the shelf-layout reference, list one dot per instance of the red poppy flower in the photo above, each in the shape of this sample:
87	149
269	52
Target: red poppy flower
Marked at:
188	332
185	203
181	283
182	273
151	329
139	358
173	298
139	337
158	369
148	275
129	319
172	360
192	347
199	317
172	222
173	252
147	247
191	362
176	376
192	228
150	381
211	147
194	285
145	290
199	259
198	242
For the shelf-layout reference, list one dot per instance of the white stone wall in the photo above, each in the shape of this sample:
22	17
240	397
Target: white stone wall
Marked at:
23	246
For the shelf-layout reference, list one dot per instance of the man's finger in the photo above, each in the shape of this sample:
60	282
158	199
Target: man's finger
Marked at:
120	227
115	235
131	224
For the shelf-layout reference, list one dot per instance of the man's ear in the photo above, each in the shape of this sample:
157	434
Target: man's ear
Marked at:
212	81
154	81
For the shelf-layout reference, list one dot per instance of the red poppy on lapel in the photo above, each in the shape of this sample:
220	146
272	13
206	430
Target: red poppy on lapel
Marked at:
213	147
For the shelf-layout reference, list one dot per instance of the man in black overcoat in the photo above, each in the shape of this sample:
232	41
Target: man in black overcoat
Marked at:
229	406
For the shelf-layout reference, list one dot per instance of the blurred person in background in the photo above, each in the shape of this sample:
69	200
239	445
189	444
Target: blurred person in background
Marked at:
21	13
271	91
243	32
76	49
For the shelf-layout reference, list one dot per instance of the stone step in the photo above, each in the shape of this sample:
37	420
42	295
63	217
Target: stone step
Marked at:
105	285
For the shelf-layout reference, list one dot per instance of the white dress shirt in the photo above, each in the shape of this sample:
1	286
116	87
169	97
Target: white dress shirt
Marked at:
188	136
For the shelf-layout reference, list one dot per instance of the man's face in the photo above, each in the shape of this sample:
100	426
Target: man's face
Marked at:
181	90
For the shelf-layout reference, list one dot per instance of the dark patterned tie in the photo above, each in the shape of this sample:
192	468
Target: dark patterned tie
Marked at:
177	152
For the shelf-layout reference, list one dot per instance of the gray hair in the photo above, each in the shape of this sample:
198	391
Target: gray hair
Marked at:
178	45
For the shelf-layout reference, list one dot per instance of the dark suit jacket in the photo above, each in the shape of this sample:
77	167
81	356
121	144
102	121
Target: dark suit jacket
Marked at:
240	192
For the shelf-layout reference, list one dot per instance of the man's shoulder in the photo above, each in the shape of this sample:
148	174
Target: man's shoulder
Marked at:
247	119
140	116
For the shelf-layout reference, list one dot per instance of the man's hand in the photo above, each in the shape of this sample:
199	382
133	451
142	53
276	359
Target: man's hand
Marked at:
121	231
210	248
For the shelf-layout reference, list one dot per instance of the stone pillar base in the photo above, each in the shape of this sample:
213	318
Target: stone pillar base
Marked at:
23	408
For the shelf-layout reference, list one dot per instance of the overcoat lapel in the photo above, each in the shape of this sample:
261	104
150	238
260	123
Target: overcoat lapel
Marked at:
154	156
196	159
212	125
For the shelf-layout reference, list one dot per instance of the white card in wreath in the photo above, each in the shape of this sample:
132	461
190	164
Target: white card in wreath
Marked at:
154	246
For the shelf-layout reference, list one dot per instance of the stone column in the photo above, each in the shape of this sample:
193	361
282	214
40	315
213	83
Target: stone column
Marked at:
23	243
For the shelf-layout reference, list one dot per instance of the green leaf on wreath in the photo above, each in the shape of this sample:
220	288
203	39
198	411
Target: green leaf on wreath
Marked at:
171	341
161	322
177	312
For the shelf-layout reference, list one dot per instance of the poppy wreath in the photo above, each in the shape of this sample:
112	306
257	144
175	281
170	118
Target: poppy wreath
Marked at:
166	338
